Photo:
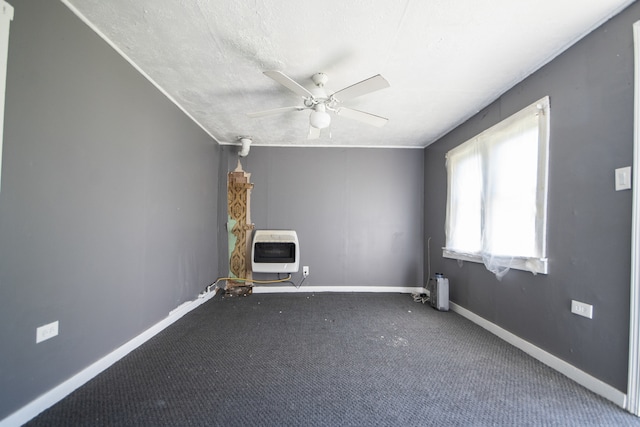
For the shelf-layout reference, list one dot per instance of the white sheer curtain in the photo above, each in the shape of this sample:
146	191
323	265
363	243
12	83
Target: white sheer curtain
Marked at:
496	207
464	208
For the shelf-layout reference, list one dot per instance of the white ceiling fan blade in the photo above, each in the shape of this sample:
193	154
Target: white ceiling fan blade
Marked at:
274	111
369	85
314	133
361	116
289	83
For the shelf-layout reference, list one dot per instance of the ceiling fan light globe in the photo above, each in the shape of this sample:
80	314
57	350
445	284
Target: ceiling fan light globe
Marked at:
320	119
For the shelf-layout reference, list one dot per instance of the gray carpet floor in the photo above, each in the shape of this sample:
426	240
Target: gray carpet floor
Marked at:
329	360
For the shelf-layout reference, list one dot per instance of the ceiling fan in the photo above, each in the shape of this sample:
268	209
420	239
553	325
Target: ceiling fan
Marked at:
320	102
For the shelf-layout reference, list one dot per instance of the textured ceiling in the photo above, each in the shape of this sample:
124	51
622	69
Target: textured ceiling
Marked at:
445	60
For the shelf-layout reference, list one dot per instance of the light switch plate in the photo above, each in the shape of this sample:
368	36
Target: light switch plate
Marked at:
623	178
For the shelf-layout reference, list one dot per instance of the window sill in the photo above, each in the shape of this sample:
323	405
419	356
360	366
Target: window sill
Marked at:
534	265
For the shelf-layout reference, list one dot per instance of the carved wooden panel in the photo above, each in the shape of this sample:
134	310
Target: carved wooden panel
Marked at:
239	226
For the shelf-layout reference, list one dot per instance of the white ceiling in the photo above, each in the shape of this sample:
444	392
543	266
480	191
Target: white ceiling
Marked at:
445	60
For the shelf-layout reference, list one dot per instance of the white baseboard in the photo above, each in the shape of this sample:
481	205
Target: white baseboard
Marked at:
53	396
595	385
319	289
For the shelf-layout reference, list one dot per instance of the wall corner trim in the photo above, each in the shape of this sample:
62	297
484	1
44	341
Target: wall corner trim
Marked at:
591	383
633	373
53	396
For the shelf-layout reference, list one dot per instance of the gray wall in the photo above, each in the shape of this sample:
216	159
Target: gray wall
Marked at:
589	224
108	206
358	212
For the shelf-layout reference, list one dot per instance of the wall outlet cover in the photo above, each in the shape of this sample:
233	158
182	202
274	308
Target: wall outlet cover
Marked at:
47	331
582	309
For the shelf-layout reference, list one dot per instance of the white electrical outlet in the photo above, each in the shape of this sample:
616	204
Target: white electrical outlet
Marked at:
47	331
305	271
582	309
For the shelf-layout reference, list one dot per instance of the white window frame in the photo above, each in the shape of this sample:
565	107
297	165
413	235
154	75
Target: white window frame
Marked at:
537	264
6	16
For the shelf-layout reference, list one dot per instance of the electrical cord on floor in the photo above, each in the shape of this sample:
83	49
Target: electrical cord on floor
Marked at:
293	283
300	284
423	298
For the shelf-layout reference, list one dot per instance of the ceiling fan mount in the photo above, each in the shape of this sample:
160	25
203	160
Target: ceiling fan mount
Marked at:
319	79
320	102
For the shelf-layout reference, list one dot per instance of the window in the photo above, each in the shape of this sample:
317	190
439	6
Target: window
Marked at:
497	194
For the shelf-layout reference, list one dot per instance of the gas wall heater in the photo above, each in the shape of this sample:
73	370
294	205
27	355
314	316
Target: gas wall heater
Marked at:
275	251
